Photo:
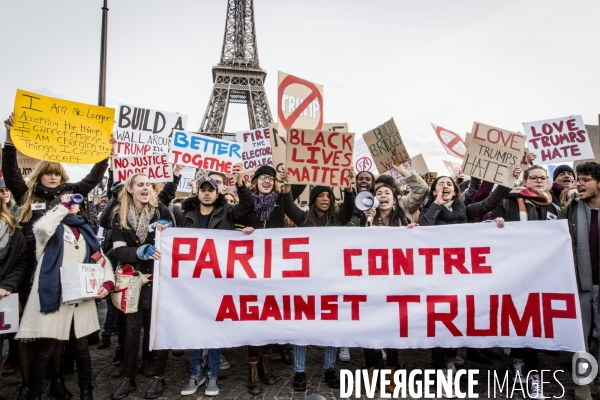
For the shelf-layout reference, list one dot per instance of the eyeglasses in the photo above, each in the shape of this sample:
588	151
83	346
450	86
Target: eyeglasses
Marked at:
538	178
584	180
268	178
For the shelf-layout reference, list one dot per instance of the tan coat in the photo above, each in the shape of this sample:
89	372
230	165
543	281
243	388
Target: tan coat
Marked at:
57	325
418	192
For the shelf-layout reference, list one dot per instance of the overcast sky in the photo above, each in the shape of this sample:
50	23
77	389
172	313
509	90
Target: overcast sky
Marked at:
448	62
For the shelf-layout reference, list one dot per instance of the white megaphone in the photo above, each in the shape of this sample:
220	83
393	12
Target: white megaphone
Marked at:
366	201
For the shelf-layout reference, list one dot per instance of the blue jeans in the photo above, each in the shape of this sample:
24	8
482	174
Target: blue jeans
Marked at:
214	363
300	357
110	322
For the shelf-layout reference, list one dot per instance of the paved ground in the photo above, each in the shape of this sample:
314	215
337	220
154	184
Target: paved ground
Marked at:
232	382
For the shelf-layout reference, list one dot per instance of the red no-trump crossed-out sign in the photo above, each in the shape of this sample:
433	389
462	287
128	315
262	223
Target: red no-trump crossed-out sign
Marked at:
453	144
299	102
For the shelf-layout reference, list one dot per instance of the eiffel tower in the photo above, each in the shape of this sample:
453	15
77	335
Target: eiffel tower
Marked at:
238	78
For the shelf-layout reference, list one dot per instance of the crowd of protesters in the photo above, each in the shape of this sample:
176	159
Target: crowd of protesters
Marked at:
42	228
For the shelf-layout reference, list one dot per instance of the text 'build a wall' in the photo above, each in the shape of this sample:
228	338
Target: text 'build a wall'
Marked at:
319	157
141	131
51	129
558	140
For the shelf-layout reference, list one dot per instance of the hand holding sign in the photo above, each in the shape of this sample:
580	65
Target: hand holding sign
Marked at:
8	123
238	173
285	178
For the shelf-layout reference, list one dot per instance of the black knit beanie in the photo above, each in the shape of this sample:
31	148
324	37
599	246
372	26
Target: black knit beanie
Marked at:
562	168
264	170
316	191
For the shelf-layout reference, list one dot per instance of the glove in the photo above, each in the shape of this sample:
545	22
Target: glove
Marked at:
116	189
145	251
168	224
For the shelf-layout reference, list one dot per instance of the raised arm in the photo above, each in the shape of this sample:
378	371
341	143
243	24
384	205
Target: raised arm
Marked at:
246	204
480	209
418	192
292	211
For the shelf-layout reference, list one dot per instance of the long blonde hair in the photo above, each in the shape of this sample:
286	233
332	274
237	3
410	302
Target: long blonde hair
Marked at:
8	217
125	198
42	168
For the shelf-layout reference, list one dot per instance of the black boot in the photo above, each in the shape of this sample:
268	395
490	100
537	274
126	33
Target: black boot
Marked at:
104	343
254	385
86	394
58	390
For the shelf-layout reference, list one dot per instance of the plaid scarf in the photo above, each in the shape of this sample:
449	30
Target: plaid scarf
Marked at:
140	222
539	198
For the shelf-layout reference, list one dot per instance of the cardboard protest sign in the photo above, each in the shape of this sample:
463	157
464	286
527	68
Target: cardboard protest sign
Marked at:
142	130
155	166
362	157
452	142
319	157
278	139
335	126
386	146
453	167
430	177
462	285
299	102
558	140
26	164
256	147
417	164
493	154
204	152
593	132
62	131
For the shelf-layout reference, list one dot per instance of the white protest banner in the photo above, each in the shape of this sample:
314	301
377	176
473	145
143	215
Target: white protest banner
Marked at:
319	157
558	140
142	131
445	286
204	152
9	313
155	166
363	161
386	146
256	147
187	176
493	154
452	142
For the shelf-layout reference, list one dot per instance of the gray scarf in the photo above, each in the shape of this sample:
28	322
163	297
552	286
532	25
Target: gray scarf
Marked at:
4	239
584	262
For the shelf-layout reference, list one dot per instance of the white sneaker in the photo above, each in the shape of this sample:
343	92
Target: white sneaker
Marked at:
535	389
344	354
516	371
212	389
224	365
457	361
384	355
192	386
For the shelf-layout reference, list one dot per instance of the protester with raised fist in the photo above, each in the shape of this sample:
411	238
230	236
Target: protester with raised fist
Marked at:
133	228
46	182
267	213
322	212
63	238
417	187
210	210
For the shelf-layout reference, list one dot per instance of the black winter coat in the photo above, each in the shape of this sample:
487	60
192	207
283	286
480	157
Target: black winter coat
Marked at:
16	184
298	216
126	242
276	220
509	210
12	267
222	217
436	214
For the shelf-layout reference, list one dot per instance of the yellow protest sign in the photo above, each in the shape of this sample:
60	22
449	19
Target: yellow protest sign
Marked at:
60	130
